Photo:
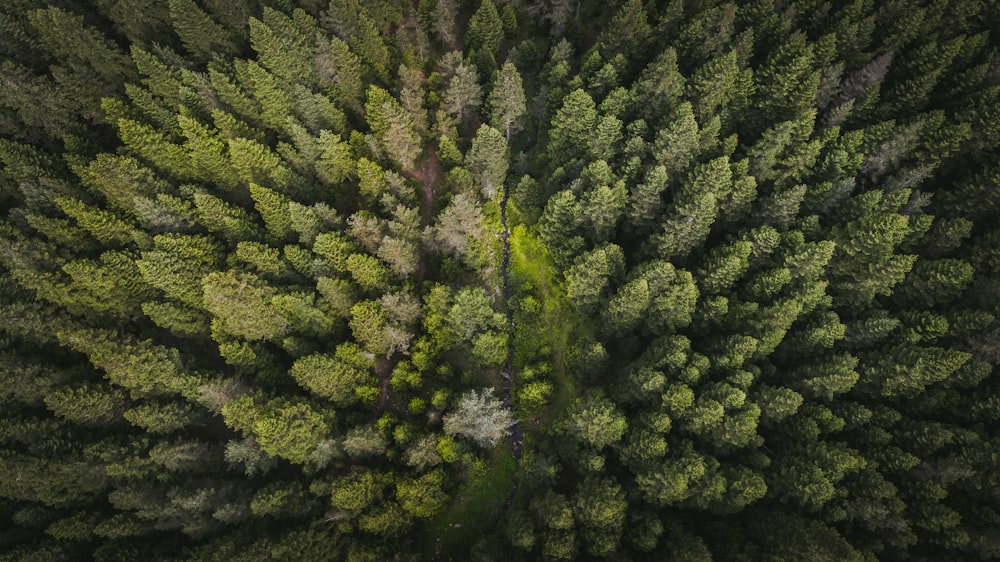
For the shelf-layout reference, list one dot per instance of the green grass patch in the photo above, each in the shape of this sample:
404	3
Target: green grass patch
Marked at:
474	510
556	324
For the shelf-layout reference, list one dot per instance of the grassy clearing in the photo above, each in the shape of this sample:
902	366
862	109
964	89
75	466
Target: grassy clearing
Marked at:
474	510
555	325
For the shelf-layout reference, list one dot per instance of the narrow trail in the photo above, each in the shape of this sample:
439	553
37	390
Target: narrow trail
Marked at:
429	176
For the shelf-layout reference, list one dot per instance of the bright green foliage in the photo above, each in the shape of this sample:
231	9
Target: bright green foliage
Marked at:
290	430
86	405
336	377
142	367
367	272
177	263
594	420
273	208
368	323
724	266
355	491
335	163
422	497
256	163
241	306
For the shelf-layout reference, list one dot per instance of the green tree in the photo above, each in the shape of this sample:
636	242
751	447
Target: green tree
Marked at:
695	209
422	497
588	279
506	101
463	96
594	420
485	29
200	33
393	126
286	429
572	127
286	45
458	227
339	377
241	305
628	32
340	74
487	160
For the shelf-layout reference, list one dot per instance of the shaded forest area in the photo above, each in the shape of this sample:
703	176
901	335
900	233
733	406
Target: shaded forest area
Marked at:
255	254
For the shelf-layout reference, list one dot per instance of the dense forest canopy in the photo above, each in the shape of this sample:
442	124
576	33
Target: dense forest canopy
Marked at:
372	280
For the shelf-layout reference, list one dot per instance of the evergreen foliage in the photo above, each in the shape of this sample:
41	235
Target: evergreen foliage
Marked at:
431	279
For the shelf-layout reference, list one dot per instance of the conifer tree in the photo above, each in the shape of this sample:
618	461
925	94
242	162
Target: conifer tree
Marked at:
199	32
485	28
506	101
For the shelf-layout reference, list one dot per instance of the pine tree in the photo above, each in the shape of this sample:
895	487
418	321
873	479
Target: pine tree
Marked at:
201	35
463	96
506	101
695	209
628	32
393	126
485	29
659	87
677	144
587	281
572	127
339	73
487	160
286	45
339	377
241	305
91	66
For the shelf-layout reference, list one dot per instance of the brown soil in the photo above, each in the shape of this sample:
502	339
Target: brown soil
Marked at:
429	175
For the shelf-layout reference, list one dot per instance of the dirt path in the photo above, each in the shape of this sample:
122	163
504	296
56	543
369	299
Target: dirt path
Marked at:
429	175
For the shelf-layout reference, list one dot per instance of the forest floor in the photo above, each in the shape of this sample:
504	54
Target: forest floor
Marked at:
472	513
429	175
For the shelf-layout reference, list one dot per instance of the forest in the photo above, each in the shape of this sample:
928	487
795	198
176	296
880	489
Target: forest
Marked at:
495	280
